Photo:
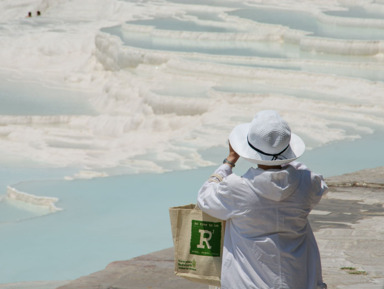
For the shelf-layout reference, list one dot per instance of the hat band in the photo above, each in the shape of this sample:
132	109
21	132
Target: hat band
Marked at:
275	156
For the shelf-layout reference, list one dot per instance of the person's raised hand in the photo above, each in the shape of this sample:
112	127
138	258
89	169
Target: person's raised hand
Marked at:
232	156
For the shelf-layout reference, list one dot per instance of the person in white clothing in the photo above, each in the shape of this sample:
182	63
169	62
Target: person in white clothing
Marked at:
268	243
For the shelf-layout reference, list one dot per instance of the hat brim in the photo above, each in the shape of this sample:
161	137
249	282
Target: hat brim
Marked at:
238	141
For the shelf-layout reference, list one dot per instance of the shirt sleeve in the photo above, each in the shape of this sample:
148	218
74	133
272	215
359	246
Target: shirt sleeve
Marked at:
215	196
317	188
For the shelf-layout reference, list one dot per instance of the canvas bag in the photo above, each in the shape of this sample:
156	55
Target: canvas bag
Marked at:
198	241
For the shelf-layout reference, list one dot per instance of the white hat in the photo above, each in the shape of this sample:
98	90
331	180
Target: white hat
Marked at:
267	140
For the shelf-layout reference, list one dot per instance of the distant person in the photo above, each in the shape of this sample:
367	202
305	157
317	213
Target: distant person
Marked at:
38	13
29	14
268	240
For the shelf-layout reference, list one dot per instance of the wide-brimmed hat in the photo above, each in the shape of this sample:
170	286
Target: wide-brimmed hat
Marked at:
267	140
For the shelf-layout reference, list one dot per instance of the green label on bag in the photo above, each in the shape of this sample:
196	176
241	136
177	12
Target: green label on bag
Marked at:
206	238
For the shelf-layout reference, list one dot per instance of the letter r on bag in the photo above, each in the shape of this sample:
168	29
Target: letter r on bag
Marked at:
204	240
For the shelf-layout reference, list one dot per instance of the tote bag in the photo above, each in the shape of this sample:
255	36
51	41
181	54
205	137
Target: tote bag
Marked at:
198	241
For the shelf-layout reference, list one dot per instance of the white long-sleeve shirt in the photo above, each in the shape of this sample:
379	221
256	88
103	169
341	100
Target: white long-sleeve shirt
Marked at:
268	243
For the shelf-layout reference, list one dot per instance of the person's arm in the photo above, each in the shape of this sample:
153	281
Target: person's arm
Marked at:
226	168
318	187
232	157
214	197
